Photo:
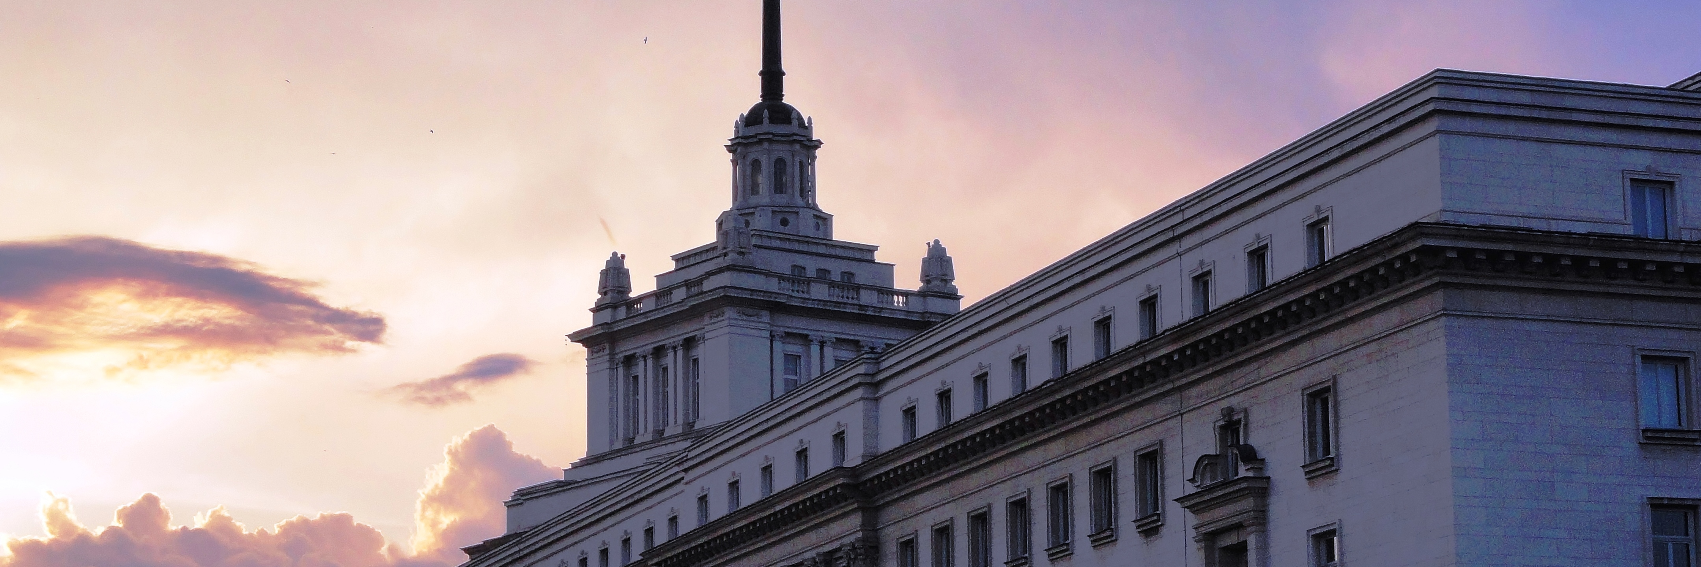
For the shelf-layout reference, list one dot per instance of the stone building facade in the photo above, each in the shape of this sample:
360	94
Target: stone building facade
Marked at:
1457	326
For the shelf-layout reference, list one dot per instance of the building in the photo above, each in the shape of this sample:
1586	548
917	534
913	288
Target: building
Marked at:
1457	326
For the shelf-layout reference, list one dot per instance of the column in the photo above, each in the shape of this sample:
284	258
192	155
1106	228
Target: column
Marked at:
815	367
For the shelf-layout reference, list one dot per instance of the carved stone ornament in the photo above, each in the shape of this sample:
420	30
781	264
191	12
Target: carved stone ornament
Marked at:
937	272
614	284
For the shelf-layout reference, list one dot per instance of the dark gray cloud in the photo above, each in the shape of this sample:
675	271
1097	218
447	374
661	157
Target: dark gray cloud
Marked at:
166	306
456	387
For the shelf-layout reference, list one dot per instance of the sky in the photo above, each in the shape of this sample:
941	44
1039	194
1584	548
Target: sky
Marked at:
287	272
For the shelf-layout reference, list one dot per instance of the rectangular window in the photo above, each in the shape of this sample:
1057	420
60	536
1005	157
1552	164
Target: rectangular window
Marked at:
847	277
1101	338
1018	528
1057	516
672	527
1319	424
649	537
702	509
766	480
908	555
1257	269
1665	395
802	460
1149	469
1325	548
1673	531
793	369
943	405
626	551
1101	485
1202	294
1148	317
1649	203
910	424
1060	356
980	539
980	391
841	449
695	409
943	552
732	500
1018	375
633	405
1317	242
584	562
799	271
823	273
602	557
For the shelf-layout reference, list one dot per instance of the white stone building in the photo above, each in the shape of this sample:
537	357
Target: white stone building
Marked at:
1457	326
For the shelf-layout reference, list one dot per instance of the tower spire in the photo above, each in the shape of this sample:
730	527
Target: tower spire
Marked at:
773	77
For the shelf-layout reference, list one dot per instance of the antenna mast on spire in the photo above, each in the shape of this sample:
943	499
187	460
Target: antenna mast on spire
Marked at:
773	77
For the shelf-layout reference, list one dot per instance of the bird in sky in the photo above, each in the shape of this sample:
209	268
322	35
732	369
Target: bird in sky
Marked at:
646	40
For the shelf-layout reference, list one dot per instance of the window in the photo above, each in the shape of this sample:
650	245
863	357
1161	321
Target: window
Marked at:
942	545
1673	531
792	368
660	390
1201	294
732	496
823	273
847	277
841	449
1149	317
799	271
802	459
672	527
626	550
633	406
1101	488
1229	435
1060	356
584	562
803	184
780	177
1101	338
753	179
1018	525
1316	242
1648	208
943	403
908	555
980	393
1057	511
1257	269
649	537
602	557
1325	547
694	409
909	419
702	509
1319	423
1018	375
980	538
1148	476
766	480
1665	396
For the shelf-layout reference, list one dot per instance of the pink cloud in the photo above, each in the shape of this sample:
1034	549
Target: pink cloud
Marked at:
456	387
461	505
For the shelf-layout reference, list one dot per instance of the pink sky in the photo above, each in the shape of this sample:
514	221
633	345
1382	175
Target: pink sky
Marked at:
447	167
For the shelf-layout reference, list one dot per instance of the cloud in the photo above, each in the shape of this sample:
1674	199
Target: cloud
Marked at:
457	386
462	502
461	505
161	307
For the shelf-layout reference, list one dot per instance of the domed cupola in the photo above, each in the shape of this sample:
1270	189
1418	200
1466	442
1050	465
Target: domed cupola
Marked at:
773	155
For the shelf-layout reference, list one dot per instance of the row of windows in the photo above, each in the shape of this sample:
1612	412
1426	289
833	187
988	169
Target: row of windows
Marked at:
799	271
629	412
781	178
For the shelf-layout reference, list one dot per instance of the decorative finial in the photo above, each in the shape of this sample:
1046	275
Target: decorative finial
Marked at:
773	77
614	284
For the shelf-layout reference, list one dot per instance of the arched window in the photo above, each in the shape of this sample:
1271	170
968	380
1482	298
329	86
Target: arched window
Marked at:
803	180
780	177
755	177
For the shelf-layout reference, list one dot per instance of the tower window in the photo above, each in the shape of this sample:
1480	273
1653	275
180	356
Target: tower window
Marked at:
792	371
779	177
753	181
803	181
1648	205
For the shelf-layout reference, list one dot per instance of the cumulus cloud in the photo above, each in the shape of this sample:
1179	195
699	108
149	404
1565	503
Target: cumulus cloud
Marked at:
161	307
457	386
461	505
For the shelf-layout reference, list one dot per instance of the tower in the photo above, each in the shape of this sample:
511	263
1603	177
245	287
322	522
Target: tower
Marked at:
773	303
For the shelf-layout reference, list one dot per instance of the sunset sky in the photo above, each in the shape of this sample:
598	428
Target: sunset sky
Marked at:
281	256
